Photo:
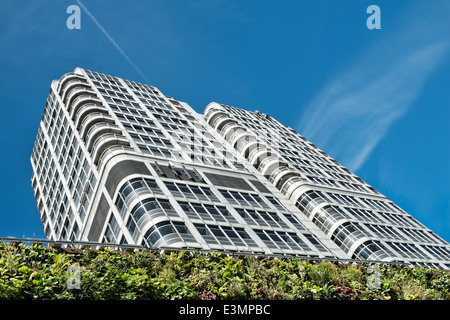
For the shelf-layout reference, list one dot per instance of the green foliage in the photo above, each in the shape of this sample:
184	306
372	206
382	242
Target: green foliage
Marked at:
36	272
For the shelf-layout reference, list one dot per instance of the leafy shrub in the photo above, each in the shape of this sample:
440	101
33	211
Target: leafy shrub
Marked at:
36	272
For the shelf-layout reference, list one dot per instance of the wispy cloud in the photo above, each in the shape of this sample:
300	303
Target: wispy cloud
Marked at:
354	111
114	43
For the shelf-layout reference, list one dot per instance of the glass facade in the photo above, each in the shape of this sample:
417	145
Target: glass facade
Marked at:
117	161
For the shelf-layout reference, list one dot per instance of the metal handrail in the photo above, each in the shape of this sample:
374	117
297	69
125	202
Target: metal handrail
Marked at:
163	250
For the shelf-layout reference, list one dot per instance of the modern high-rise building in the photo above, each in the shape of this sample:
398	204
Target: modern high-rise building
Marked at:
119	162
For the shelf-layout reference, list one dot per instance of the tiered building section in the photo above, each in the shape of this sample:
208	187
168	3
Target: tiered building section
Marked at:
360	220
117	161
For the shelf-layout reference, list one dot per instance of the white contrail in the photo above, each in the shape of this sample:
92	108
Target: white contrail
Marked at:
351	114
113	42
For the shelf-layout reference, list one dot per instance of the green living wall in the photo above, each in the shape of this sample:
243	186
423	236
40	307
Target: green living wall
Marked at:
37	272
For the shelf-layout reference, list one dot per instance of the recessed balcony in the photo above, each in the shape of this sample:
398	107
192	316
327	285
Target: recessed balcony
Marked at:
73	85
257	155
269	165
82	99
98	130
213	108
291	185
221	122
75	93
66	78
230	130
214	114
285	177
113	151
91	119
246	149
104	142
278	174
84	109
240	139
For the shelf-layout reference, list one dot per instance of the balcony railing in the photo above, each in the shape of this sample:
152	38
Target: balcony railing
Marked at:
113	151
99	129
85	109
221	122
69	246
73	85
212	115
270	164
278	174
105	142
82	99
230	130
91	119
244	140
66	78
77	93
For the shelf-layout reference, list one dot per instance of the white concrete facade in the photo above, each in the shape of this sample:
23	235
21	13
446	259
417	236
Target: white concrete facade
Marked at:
119	162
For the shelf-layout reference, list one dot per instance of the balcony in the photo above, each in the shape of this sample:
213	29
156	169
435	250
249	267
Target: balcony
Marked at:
85	110
213	114
91	120
104	142
82	99
242	141
290	185
270	164
258	155
73	85
219	117
113	151
237	136
221	122
78	92
348	237
230	130
66	78
247	149
99	129
326	220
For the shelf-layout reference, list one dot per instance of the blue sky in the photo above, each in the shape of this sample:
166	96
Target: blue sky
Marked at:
378	101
